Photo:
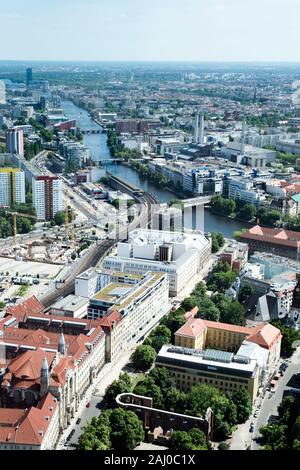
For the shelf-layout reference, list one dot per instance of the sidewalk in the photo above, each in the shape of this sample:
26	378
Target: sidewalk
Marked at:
107	375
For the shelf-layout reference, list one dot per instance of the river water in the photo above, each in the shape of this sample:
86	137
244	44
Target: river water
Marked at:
100	151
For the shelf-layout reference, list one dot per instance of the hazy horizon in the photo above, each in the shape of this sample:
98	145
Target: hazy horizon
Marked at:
196	31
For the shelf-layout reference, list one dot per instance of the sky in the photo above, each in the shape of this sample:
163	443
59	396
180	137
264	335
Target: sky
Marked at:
150	30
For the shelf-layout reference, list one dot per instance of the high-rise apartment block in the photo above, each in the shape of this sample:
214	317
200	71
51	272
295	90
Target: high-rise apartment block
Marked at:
12	186
47	196
15	141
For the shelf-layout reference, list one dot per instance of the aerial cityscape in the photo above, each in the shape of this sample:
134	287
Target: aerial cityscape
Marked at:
149	243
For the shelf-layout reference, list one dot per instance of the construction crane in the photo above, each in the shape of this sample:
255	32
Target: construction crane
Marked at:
73	229
19	214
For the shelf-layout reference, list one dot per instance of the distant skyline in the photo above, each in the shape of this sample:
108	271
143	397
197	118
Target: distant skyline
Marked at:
150	30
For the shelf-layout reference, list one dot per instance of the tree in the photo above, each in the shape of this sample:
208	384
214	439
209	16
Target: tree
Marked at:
162	378
126	430
234	314
174	400
189	303
204	396
143	357
122	385
59	218
245	292
148	388
191	440
267	217
274	436
242	401
158	337
223	446
174	320
96	434
289	336
217	240
247	212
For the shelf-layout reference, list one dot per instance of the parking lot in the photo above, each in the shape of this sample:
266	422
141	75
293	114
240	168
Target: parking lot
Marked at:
42	273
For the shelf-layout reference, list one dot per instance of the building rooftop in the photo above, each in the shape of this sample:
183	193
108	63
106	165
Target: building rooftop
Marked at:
207	360
70	303
119	295
273	235
29	426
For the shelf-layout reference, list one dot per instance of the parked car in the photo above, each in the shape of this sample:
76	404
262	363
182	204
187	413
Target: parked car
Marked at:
78	421
251	427
88	404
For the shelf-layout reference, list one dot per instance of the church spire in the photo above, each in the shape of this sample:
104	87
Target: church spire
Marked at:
62	347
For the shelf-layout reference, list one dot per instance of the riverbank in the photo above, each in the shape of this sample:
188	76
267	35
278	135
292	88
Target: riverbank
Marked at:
97	143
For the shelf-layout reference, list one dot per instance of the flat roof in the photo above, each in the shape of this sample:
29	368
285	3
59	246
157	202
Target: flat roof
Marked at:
71	302
198	361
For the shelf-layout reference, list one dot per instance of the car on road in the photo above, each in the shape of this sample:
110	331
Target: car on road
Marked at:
71	435
88	404
251	429
255	414
78	421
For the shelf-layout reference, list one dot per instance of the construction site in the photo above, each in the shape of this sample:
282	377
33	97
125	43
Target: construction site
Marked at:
46	244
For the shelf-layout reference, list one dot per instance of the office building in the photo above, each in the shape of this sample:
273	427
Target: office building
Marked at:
190	367
243	190
47	196
142	300
180	255
15	141
12	186
70	306
226	356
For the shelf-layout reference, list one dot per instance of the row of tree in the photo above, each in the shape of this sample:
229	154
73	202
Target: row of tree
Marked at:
246	212
285	433
155	176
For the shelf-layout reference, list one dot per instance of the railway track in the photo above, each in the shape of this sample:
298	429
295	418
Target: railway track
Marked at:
98	251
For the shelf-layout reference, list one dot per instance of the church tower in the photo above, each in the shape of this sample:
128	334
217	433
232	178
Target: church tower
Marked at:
62	347
45	377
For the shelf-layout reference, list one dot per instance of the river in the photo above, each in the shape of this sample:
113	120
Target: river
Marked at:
100	151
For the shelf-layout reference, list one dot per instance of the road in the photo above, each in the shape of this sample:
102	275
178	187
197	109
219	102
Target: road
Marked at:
270	405
242	438
94	396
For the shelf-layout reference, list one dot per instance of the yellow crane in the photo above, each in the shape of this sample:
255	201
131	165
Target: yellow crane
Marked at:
15	215
73	229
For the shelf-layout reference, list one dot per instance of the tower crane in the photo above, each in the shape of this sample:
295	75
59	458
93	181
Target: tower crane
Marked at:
19	214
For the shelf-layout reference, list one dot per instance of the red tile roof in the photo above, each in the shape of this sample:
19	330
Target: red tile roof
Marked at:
27	427
192	313
275	236
29	306
265	335
192	328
